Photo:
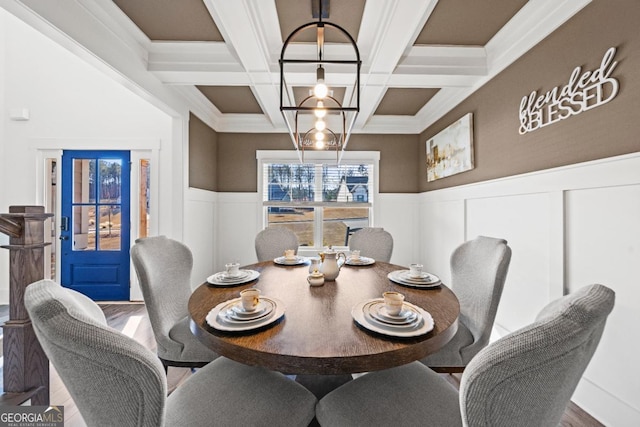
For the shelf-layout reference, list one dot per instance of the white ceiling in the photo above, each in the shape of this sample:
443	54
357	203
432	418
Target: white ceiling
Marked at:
249	54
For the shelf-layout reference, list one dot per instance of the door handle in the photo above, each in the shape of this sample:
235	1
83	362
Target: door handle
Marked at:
64	237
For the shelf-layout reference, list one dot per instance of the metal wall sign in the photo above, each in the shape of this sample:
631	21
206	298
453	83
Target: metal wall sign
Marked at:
584	91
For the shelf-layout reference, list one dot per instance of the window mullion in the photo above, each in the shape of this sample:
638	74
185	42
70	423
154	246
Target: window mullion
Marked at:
318	211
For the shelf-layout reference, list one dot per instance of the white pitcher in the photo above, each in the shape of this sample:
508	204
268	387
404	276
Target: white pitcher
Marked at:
330	265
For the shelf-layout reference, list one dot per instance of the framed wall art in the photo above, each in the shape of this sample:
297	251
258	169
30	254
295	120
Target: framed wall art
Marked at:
451	151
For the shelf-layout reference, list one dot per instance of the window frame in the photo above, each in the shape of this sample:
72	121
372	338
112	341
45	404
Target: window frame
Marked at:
318	157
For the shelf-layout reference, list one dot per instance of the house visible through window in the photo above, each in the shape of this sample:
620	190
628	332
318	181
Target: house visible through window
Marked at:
320	201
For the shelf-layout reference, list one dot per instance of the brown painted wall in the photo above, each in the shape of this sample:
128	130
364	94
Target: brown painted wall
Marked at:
203	142
237	164
609	130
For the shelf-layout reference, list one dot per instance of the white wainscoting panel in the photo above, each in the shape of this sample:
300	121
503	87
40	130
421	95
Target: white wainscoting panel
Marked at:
239	220
442	230
522	220
200	218
603	246
399	215
568	227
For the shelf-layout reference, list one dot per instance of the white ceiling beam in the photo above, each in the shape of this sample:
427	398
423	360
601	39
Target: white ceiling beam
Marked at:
395	24
453	60
249	28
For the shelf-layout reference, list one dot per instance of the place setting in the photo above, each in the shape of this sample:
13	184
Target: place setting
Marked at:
290	258
414	277
232	276
391	315
355	259
249	312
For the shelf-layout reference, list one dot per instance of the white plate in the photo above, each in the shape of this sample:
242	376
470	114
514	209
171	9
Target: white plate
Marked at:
372	315
221	279
223	276
296	261
363	260
402	277
223	323
420	328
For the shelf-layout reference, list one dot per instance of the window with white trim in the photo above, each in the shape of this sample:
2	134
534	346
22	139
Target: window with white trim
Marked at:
320	201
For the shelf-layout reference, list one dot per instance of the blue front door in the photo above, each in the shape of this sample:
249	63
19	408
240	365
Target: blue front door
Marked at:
95	223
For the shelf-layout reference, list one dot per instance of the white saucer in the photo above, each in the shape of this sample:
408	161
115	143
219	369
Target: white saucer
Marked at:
295	261
405	317
363	260
372	312
218	319
421	327
402	277
222	279
237	312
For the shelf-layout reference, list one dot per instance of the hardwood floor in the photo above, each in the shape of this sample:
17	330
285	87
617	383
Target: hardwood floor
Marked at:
133	321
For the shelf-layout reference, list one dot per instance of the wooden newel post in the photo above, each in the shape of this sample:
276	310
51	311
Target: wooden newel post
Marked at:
26	367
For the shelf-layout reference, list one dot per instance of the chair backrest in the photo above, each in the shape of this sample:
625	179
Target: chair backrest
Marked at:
373	242
112	378
273	241
527	378
478	271
164	269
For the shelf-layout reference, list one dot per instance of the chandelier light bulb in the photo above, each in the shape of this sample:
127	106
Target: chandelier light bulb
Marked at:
319	136
320	91
319	144
320	125
320	112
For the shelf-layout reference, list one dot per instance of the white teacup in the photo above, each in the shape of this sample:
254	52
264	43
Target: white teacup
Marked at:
355	255
289	254
415	270
393	302
233	269
250	298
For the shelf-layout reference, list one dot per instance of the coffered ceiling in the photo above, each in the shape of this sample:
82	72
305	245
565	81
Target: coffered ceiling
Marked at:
420	58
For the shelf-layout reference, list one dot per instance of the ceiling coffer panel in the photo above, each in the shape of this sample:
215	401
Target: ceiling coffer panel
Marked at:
171	20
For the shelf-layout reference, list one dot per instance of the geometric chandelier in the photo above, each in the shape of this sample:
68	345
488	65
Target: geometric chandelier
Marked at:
318	120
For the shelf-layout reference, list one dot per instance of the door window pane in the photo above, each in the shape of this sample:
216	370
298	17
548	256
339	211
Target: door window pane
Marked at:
84	178
109	239
84	228
144	197
110	179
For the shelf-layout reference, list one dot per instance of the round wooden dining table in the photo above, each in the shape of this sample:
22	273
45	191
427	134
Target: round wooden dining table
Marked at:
317	334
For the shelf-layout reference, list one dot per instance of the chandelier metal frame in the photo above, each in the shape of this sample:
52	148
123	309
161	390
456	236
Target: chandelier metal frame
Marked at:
293	113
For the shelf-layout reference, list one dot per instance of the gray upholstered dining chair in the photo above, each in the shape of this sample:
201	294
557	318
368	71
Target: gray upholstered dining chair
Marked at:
523	379
115	381
372	242
164	267
273	241
478	272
